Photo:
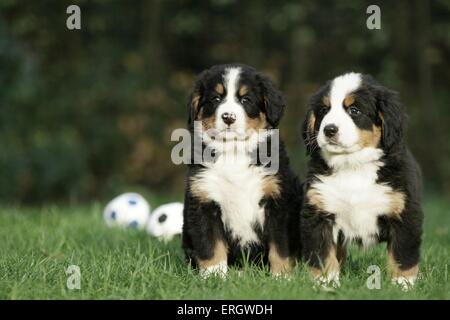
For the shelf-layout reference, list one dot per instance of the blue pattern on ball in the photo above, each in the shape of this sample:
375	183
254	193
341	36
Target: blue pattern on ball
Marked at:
133	224
132	202
113	215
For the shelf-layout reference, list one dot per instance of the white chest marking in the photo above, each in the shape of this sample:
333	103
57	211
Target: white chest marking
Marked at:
353	195
238	189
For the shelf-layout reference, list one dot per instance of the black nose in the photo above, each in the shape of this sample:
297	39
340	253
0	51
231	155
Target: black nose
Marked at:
330	130
228	117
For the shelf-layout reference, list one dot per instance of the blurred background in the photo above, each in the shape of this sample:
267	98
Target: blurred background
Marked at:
86	114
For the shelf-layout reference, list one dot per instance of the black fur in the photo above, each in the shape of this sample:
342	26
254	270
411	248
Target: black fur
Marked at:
202	220
273	100
400	171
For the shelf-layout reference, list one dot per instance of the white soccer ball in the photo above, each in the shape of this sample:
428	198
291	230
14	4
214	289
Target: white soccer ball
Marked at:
127	210
166	221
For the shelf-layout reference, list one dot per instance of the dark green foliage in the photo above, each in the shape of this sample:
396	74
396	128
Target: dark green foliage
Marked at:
84	114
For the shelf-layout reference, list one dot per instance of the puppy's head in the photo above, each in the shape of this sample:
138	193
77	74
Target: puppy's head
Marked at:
234	101
353	112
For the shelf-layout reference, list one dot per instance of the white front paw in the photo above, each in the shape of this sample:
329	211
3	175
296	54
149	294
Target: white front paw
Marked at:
220	269
331	279
282	275
405	283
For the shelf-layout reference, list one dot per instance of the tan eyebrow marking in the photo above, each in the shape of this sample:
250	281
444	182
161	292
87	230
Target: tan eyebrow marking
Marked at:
326	101
349	100
243	91
219	88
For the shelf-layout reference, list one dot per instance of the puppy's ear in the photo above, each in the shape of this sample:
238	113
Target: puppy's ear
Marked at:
273	100
193	106
195	98
309	131
392	116
310	125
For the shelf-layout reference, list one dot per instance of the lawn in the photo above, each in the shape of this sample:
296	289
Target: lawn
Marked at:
38	245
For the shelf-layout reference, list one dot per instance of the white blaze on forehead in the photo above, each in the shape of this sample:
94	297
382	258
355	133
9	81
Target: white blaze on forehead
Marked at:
342	86
347	136
231	79
230	104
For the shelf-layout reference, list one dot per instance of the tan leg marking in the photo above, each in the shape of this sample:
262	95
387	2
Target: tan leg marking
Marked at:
395	269
279	264
330	269
219	255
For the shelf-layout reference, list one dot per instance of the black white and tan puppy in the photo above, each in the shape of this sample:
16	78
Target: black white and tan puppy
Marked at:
234	206
363	184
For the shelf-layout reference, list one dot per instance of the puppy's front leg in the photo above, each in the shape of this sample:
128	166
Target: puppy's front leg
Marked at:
318	247
280	261
328	273
214	263
203	237
404	249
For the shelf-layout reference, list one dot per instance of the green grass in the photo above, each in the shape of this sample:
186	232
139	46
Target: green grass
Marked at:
37	246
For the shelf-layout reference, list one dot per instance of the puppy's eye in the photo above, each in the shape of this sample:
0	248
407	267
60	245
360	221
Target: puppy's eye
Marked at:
353	111
323	110
245	100
216	99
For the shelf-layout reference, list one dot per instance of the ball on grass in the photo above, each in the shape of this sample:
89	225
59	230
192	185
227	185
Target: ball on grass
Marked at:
127	210
166	221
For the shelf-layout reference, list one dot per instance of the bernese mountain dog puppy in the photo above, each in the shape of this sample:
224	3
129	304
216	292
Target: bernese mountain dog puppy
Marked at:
239	203
363	184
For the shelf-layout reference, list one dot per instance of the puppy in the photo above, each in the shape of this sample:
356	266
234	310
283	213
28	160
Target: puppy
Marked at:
363	184
245	200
